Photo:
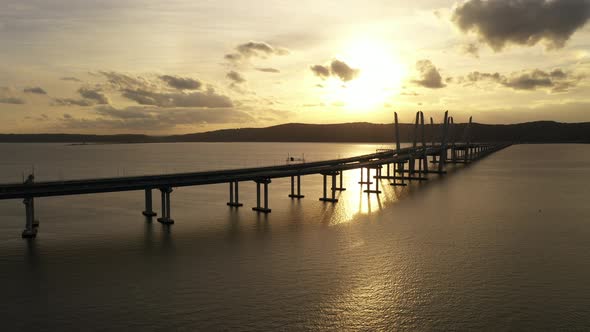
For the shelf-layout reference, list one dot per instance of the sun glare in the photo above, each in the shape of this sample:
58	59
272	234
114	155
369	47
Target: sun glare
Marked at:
380	76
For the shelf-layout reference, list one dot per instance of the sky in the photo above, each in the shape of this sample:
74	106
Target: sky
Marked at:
163	67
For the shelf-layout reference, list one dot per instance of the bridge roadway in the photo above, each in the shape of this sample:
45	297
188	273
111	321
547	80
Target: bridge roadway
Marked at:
103	185
261	175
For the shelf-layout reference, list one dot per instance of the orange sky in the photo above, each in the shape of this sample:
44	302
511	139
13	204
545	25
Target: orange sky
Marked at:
165	67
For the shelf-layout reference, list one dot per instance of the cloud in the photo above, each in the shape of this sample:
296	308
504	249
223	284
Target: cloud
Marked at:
471	49
321	71
11	100
94	95
42	117
35	90
250	49
208	99
70	78
6	96
121	81
233	57
429	77
268	70
343	71
336	68
71	102
556	80
522	22
90	97
254	49
181	83
143	118
236	77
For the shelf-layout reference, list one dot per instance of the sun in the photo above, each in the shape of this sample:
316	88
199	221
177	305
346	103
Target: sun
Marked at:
380	76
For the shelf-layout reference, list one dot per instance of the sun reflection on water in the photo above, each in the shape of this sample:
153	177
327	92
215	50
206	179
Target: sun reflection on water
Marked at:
355	202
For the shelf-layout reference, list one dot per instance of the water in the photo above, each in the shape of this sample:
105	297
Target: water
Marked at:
502	244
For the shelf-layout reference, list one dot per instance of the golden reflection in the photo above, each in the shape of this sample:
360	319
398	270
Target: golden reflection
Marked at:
355	202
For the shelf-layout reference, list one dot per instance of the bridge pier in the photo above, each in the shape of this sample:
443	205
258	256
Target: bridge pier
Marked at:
368	182
333	199
234	195
361	182
35	220
258	208
340	188
30	230
165	219
396	170
425	163
410	166
148	212
298	195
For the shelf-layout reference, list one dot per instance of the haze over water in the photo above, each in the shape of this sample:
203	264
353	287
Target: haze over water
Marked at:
502	244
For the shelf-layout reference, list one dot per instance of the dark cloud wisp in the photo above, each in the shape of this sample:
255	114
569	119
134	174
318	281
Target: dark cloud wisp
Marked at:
235	77
96	95
343	71
321	71
428	75
336	68
254	49
208	99
141	118
181	83
556	80
522	22
268	70
70	78
71	102
35	90
11	100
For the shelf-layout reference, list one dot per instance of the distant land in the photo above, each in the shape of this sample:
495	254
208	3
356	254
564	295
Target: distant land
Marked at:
360	132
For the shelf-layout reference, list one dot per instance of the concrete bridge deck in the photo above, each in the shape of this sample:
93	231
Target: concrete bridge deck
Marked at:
417	158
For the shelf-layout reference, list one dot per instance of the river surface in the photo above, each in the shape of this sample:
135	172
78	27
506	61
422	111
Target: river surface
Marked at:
502	244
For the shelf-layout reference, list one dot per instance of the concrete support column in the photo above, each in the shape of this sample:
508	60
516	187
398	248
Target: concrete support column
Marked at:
298	194
234	199
425	162
258	194
340	187
325	197
30	231
402	165
333	186
258	208
420	166
165	218
361	181
35	220
149	211
368	181
396	167
369	190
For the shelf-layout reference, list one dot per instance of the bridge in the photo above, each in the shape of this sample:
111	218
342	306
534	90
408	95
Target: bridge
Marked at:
418	159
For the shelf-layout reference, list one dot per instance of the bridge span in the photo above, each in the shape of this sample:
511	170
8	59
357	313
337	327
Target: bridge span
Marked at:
401	165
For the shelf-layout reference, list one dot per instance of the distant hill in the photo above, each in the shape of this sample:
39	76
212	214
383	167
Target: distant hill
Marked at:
361	132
